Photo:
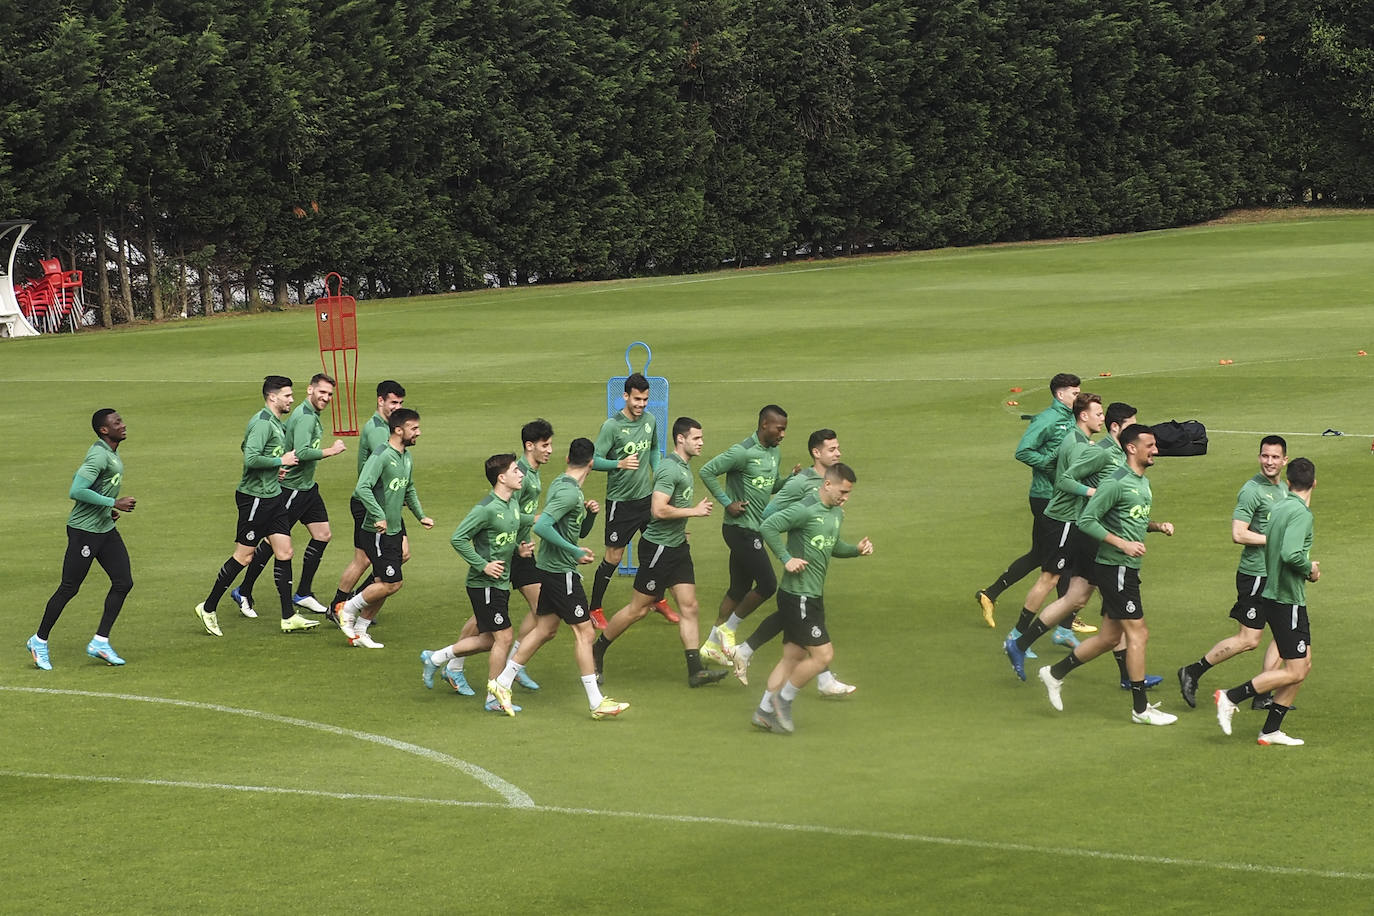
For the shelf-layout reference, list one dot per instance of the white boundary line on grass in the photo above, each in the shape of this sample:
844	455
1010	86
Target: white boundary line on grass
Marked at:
1256	432
514	796
1132	858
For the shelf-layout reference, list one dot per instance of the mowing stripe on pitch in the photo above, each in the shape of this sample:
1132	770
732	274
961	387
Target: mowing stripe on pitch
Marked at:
992	846
513	795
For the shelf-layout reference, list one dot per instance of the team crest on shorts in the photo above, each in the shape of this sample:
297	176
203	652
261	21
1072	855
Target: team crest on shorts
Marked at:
615	536
1059	565
85	550
1302	645
815	632
499	619
578	611
758	544
391	570
650	585
1250	614
1130	607
251	535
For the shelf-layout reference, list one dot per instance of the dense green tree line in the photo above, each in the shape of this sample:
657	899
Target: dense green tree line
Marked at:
219	151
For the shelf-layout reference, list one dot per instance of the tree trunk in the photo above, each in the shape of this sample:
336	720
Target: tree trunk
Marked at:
183	293
300	291
154	290
250	285
126	293
226	291
207	292
102	263
280	299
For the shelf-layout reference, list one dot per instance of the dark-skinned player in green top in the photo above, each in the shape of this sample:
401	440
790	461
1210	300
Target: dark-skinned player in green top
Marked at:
568	517
487	539
627	450
92	535
374	434
262	508
824	447
537	438
665	558
752	476
1117	516
385	487
1288	567
304	436
804	537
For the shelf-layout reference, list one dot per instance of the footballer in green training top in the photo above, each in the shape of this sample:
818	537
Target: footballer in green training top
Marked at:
804	537
385	487
92	535
1117	516
568	517
1036	450
1288	567
304	436
487	538
1073	486
665	559
1061	537
627	449
262	509
390	397
1249	522
752	476
824	448
537	439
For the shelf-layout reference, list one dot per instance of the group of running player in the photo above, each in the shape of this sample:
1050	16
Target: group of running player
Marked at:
1090	505
797	517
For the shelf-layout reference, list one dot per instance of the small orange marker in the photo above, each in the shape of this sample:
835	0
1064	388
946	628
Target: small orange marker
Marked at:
1013	403
1018	390
1361	353
1104	375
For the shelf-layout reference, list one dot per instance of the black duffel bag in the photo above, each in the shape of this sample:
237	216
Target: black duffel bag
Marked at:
1177	438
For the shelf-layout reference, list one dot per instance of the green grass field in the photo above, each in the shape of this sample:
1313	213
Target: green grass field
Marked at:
262	772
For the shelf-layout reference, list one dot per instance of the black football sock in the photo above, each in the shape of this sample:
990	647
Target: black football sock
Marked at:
601	582
1061	668
1242	693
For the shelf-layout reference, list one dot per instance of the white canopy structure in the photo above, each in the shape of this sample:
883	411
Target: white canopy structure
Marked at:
12	321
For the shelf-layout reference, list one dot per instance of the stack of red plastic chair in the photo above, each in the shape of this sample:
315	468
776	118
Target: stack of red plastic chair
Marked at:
53	299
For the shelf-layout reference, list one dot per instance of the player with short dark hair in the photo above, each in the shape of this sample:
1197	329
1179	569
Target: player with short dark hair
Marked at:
486	539
824	448
1091	466
385	486
751	468
304	435
375	433
1060	535
1118	517
261	509
1288	568
804	537
536	438
92	535
1249	521
627	449
568	517
1037	449
665	558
